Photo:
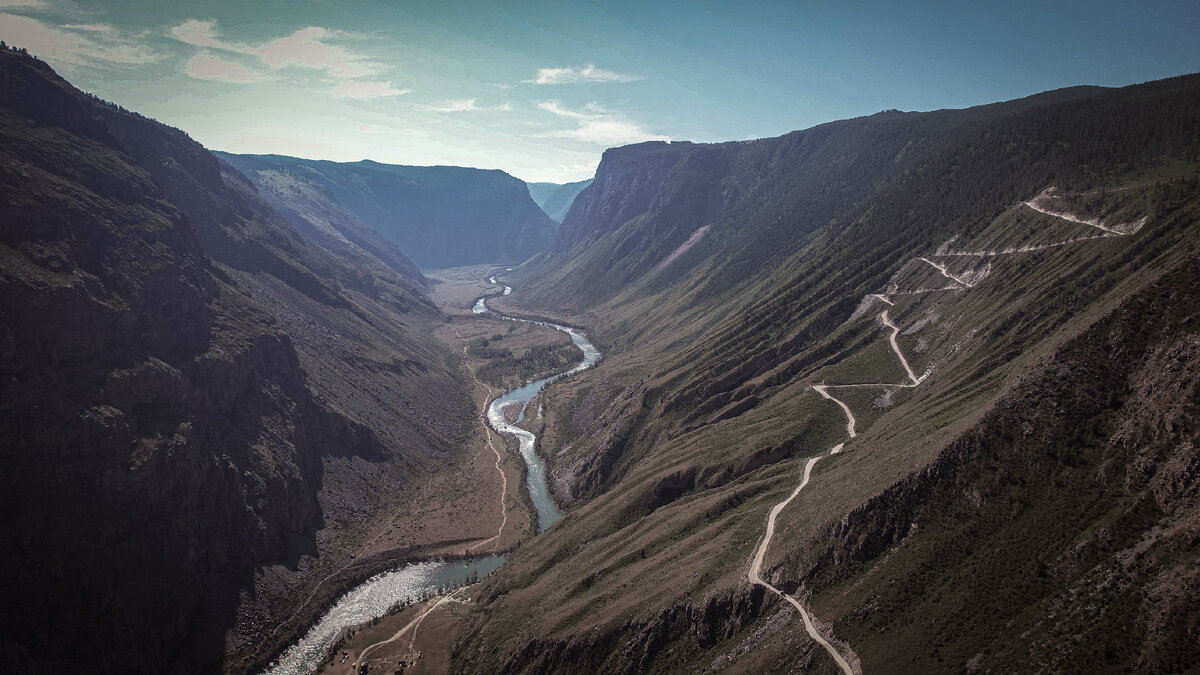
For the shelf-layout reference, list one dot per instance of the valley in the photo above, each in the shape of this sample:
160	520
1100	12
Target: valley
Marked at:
407	587
907	392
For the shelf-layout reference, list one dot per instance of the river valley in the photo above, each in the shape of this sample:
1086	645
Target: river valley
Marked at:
412	583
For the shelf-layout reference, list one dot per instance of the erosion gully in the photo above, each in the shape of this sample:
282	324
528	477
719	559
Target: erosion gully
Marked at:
376	596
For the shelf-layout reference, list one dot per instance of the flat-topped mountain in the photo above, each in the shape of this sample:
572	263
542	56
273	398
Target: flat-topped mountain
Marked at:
438	216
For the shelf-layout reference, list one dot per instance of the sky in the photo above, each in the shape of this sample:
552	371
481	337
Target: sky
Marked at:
540	89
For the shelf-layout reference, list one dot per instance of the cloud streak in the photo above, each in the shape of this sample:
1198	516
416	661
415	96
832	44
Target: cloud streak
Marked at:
92	45
588	73
356	89
208	67
598	126
467	105
313	48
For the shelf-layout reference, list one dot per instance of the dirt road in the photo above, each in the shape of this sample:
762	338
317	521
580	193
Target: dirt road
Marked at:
755	577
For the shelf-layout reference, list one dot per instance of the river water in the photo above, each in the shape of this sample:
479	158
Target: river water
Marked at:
372	599
375	596
535	470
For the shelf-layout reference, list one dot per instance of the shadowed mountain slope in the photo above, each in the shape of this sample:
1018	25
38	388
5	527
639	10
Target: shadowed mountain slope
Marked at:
439	216
1015	466
200	407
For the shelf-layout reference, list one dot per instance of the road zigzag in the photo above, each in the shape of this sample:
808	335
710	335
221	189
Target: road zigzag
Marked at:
852	665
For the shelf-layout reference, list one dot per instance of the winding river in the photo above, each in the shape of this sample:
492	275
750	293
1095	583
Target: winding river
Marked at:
375	596
535	472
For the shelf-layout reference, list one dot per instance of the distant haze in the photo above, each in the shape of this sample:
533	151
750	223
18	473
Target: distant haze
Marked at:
556	199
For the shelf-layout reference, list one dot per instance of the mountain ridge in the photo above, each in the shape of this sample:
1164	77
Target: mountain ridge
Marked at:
439	216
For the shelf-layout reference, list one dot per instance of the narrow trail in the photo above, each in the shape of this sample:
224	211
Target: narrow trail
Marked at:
946	273
756	567
852	666
367	546
1119	230
357	556
499	459
411	625
503	483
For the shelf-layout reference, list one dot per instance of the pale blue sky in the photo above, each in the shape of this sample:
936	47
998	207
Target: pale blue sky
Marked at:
540	89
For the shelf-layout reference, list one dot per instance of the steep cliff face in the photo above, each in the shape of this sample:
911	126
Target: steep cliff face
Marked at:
439	216
161	439
1006	367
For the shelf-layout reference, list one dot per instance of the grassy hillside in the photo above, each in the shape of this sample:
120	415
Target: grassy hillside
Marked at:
994	470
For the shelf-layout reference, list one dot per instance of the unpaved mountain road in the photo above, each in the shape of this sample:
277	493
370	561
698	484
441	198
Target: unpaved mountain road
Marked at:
411	625
756	568
946	273
1119	230
852	666
883	316
499	459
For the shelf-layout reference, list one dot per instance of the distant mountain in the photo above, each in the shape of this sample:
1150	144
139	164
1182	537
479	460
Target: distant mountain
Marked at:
556	198
439	216
952	356
195	397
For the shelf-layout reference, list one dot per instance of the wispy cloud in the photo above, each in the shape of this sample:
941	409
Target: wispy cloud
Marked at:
314	48
557	108
208	67
356	89
454	105
588	73
597	125
91	45
388	131
23	4
308	48
467	105
203	33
